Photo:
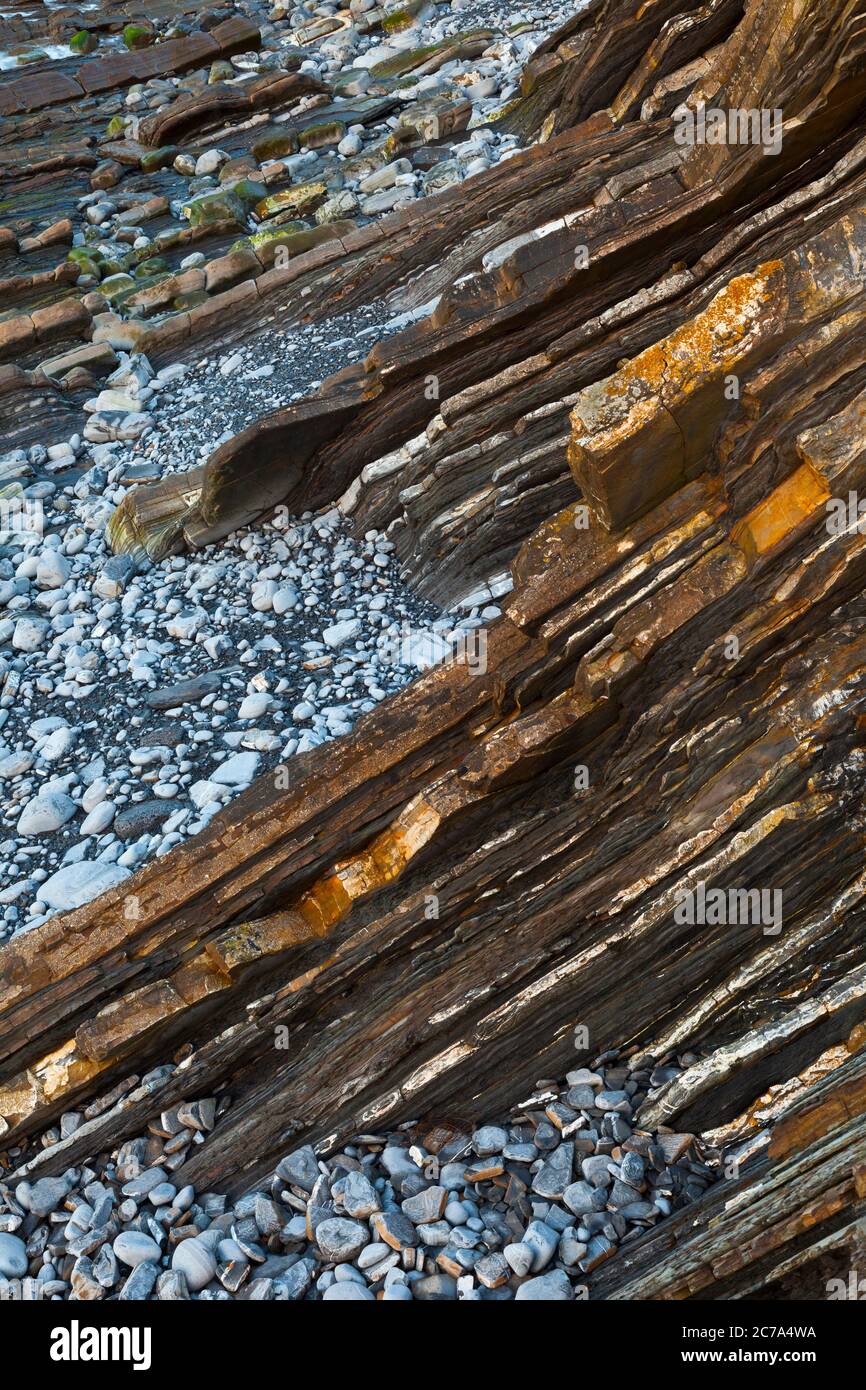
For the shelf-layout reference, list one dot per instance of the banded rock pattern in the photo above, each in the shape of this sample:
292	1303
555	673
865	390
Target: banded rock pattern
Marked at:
649	392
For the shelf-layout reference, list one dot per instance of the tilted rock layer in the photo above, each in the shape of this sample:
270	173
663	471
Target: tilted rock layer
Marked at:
636	808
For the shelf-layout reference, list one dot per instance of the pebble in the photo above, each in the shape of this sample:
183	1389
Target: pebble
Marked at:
348	1293
542	1241
490	1139
195	1262
549	1288
133	1247
579	1197
237	771
391	1219
29	634
140	819
140	653
339	634
44	813
554	1175
360	1197
520	1256
80	883
13	1257
341	1239
141	1282
162	1194
44	1196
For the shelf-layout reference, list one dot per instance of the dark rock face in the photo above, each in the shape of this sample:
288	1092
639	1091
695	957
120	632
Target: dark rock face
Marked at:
35	91
633	817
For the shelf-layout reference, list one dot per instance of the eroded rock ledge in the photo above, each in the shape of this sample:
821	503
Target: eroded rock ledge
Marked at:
647	437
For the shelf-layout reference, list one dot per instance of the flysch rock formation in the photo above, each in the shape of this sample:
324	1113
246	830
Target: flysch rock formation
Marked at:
629	815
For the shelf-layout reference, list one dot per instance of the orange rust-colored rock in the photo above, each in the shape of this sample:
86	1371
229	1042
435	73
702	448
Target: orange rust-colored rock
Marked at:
790	504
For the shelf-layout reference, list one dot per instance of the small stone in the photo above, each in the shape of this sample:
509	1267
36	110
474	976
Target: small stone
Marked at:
237	771
348	1292
520	1257
571	1250
435	1288
198	1115
360	1197
427	1205
674	1146
614	1100
542	1241
395	1229
596	1170
552	1287
633	1168
435	1233
598	1250
133	1247
196	1262
490	1139
397	1293
185	692
581	1097
554	1175
29	634
339	634
300	1168
296	1280
52	570
254	706
45	813
398	1164
99	819
142	818
371	1254
341	1239
492	1270
285	599
579	1197
114	577
520	1153
171	1286
141	1282
267	1215
42	1197
85	1284
144	1183
547	1136
77	884
582	1076
162	1194
13	1257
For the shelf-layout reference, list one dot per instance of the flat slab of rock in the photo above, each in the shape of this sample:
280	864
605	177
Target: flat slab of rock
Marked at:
79	883
184	692
141	818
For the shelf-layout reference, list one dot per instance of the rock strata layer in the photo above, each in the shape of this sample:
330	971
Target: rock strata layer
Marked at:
626	409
